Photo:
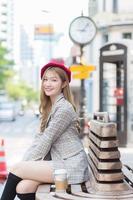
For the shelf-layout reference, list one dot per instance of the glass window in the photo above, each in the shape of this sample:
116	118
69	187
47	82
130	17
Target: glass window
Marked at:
105	38
127	35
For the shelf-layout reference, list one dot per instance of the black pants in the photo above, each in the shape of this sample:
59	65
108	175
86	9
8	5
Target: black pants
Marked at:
9	191
28	196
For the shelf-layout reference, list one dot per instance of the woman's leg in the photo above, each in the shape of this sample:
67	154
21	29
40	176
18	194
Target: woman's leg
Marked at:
27	186
9	191
40	171
26	189
28	196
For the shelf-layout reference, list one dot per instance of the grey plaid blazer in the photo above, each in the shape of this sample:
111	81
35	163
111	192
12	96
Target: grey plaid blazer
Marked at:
60	138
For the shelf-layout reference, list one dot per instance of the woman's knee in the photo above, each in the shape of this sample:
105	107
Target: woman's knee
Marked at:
27	186
15	168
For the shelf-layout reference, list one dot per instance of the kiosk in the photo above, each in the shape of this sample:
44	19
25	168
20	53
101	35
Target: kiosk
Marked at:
116	87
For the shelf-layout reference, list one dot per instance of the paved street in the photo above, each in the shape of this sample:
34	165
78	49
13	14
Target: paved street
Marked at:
17	137
127	156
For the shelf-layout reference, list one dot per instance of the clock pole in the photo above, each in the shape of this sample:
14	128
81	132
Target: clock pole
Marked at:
82	110
82	31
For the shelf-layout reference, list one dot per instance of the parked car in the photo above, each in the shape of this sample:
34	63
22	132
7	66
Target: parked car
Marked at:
7	111
21	112
36	110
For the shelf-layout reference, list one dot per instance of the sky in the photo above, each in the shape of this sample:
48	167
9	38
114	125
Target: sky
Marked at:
58	12
61	12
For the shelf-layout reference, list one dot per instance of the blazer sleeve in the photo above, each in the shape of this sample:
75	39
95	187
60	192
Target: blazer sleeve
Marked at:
58	123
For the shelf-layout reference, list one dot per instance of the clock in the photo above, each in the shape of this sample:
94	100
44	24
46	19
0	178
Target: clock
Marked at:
82	30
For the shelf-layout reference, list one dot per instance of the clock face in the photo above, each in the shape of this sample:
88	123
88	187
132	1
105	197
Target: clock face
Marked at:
82	30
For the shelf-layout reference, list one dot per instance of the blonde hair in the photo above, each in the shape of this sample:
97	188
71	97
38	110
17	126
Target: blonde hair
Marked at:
45	102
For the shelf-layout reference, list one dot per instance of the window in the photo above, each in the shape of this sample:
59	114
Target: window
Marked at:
4	22
105	38
4	4
115	6
127	35
4	13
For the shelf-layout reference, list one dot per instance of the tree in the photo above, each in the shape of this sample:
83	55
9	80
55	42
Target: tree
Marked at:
21	91
5	67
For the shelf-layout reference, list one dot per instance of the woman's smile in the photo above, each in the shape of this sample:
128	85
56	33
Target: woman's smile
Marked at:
48	89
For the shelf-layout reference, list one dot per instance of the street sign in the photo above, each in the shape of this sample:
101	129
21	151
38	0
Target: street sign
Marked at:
82	71
82	75
79	68
44	29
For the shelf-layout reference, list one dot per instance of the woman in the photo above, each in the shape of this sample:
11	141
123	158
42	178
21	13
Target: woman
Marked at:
57	146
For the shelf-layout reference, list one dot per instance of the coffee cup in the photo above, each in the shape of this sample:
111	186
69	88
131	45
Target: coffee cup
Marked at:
60	177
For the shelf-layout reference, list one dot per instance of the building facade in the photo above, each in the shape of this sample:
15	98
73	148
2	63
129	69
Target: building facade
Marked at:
7	25
114	21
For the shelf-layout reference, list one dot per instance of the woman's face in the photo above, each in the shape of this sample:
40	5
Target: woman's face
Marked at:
52	84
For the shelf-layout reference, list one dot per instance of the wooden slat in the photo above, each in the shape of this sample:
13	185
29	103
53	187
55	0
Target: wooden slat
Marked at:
111	188
85	196
66	196
104	177
93	194
77	191
103	129
108	187
104	165
43	192
103	144
45	196
105	195
104	154
76	187
45	188
82	195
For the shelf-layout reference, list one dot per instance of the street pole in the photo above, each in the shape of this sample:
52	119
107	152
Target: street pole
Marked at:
82	31
82	111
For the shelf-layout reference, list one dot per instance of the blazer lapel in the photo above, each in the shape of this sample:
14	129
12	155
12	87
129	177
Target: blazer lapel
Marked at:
53	107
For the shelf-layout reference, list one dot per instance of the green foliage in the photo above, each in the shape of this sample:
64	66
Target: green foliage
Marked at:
18	91
21	91
5	67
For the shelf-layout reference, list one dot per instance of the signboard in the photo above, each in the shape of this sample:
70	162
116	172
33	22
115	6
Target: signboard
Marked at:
80	68
44	32
82	75
82	71
44	29
119	94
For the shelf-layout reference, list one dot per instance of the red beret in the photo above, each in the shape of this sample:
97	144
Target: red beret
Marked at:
61	66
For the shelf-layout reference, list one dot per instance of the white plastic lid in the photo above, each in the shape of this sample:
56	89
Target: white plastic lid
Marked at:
60	171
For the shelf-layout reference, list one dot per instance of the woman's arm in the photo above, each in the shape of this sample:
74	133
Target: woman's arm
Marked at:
59	122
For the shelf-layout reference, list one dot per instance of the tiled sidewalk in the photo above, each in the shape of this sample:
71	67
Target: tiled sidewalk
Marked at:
127	156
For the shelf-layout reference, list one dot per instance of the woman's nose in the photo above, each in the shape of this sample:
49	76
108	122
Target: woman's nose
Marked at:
47	83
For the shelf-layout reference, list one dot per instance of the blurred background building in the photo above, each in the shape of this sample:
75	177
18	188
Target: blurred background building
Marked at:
7	25
114	20
111	53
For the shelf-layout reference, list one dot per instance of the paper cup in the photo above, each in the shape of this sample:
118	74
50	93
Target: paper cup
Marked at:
60	177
